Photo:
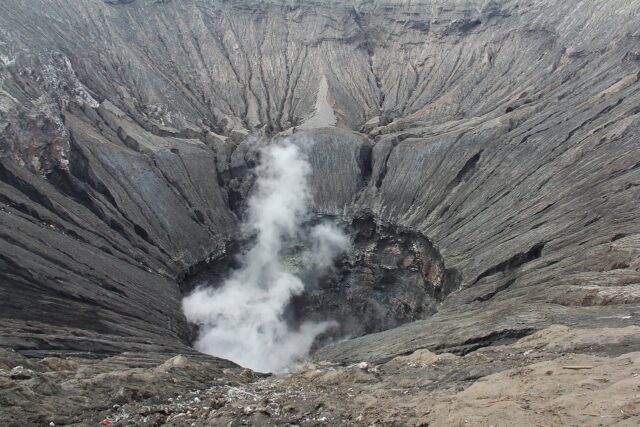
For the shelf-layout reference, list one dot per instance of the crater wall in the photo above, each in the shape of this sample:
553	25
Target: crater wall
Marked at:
505	132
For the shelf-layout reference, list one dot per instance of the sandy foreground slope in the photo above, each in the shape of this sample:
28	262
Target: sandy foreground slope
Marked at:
558	376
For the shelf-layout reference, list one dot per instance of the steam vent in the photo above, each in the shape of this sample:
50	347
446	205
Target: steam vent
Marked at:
319	213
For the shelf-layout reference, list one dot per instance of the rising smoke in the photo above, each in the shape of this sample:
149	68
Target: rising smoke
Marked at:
243	319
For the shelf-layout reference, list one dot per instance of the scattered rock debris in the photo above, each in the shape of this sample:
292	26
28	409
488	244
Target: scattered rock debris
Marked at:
552	377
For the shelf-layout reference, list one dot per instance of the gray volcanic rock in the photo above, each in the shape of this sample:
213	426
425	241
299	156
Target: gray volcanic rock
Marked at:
504	131
340	162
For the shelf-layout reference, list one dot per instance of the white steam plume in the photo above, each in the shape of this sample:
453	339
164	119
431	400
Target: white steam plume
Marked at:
242	320
325	241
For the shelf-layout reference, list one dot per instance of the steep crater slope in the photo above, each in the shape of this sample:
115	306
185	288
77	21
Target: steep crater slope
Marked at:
505	133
